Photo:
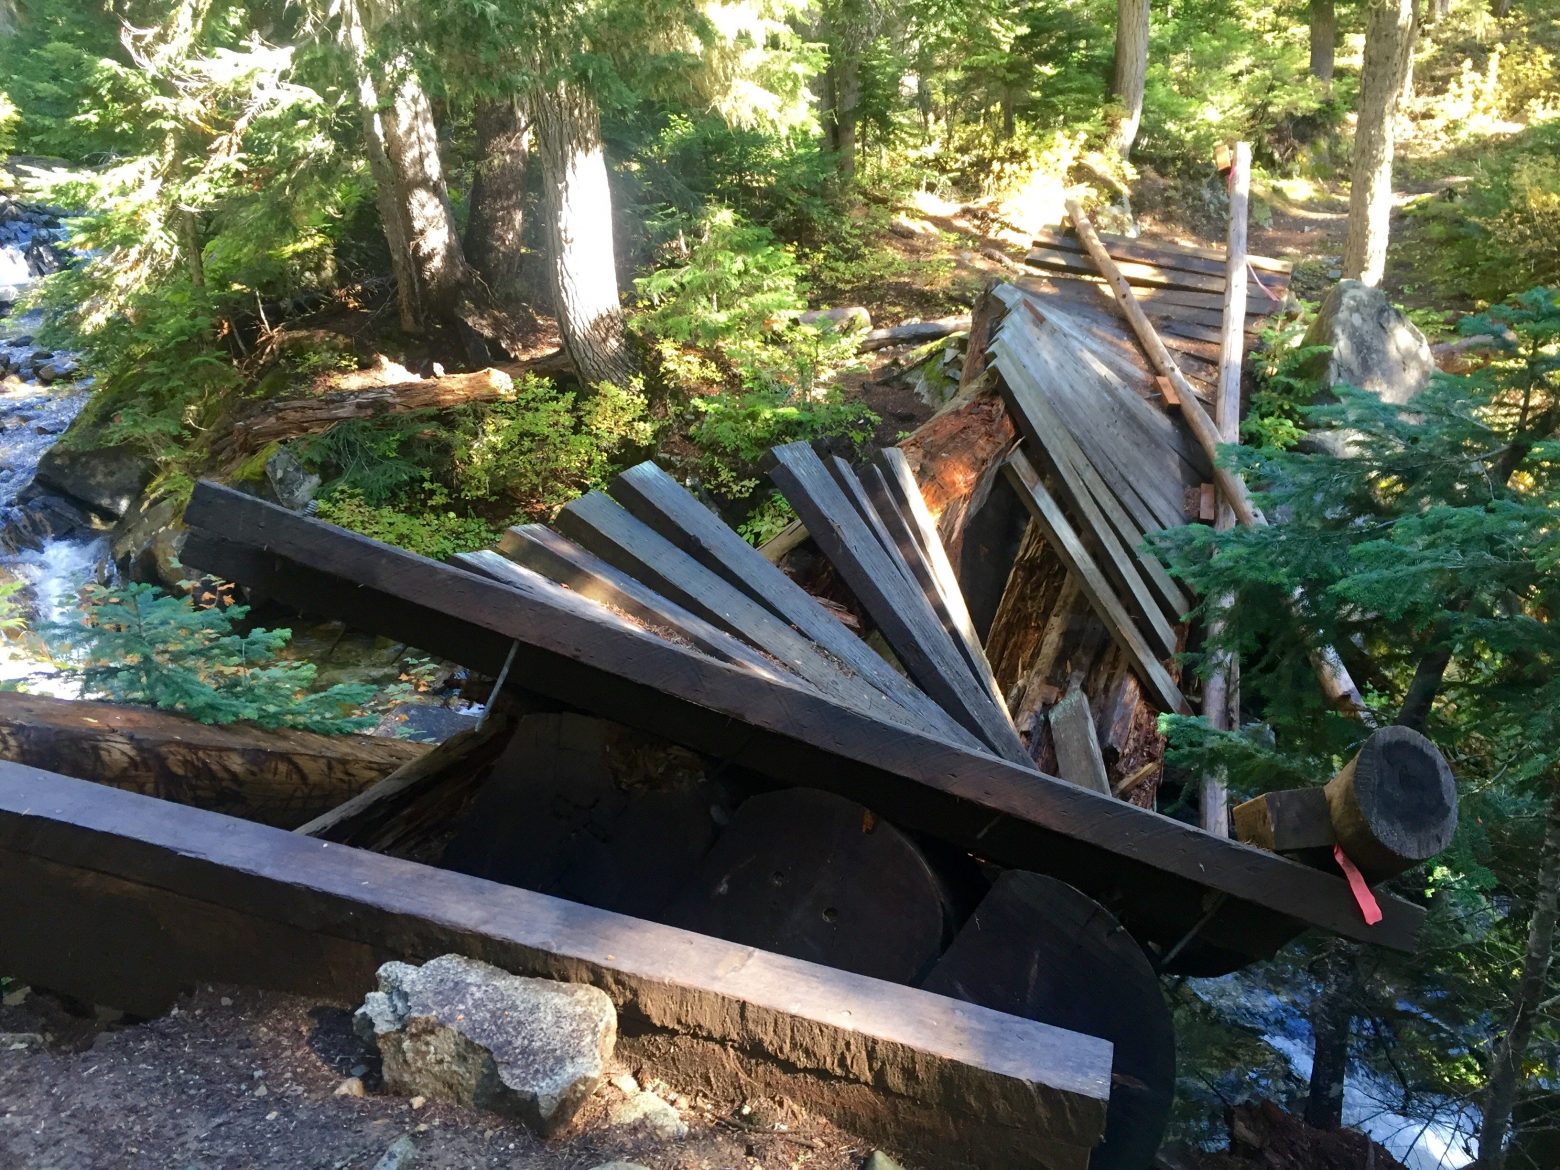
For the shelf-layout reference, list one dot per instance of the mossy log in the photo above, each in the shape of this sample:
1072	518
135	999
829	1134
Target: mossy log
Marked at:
279	778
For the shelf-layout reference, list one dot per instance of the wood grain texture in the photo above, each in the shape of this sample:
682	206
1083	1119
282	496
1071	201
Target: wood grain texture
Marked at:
1078	756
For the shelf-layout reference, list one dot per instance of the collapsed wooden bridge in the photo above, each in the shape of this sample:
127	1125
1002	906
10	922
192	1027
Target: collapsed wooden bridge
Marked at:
689	747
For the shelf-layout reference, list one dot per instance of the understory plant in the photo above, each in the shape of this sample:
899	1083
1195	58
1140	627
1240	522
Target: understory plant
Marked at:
139	644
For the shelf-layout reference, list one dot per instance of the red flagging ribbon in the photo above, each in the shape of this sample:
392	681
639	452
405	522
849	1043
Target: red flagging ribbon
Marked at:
1357	886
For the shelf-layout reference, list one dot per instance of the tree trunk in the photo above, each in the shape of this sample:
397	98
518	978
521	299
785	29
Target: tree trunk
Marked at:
1406	92
1130	71
1388	43
1500	9
432	276
1507	1059
845	29
579	231
494	243
1332	1019
1324	38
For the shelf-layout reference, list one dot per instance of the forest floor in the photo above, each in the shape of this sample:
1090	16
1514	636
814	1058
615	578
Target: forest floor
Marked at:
237	1079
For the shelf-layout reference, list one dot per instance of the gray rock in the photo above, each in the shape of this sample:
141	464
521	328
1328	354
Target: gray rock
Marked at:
650	1111
881	1161
105	479
1374	347
146	542
58	369
401	1155
462	1031
291	485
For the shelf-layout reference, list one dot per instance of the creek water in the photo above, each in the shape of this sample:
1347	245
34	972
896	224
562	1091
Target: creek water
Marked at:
41	392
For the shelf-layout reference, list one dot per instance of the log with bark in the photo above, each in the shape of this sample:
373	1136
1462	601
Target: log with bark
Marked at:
278	778
293	417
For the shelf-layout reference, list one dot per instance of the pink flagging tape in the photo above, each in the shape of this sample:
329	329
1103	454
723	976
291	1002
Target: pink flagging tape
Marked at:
1357	886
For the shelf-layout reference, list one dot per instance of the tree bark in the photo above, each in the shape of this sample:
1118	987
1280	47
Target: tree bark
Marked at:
845	31
1324	38
494	242
1332	1018
432	276
1507	1059
1130	70
1388	43
579	231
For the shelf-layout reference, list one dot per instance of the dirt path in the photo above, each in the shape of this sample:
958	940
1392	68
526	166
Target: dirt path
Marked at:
242	1080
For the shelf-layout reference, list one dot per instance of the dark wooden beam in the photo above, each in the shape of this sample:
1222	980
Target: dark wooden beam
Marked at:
124	899
1003	812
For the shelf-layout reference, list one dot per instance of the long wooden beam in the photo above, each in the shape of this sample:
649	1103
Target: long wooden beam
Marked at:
125	899
1001	811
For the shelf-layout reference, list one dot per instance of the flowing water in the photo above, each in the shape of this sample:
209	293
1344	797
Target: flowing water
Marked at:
40	393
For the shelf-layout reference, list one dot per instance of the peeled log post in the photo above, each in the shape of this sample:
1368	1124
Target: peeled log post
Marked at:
1221	694
1394	804
1334	677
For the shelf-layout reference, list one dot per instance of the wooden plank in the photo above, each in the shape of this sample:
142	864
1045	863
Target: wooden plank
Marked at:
1096	587
899	608
1009	814
1092	289
1151	275
120	896
1098	502
660	502
1078	756
1287	820
1169	252
903	494
944	595
540	549
612	533
1144	471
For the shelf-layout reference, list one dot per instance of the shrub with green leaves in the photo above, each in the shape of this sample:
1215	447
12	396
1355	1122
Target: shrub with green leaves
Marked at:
11	621
139	644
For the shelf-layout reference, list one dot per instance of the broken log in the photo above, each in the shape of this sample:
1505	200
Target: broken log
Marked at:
281	777
294	417
1287	821
1394	804
1037	948
812	875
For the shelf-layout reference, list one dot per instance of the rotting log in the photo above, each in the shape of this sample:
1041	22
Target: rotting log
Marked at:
1394	804
124	900
570	650
280	777
1334	677
295	417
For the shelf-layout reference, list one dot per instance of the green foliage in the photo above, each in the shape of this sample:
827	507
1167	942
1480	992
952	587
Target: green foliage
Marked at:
735	430
767	520
1286	383
422	529
11	621
138	644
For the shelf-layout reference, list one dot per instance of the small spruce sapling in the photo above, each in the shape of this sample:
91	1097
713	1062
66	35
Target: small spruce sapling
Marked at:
137	644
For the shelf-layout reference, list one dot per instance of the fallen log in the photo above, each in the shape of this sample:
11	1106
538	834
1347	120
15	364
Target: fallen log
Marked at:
278	778
294	417
915	332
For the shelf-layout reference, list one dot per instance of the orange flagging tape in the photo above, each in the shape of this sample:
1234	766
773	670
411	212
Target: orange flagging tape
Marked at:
1362	894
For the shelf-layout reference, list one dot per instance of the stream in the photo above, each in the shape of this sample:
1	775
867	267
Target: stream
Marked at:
41	392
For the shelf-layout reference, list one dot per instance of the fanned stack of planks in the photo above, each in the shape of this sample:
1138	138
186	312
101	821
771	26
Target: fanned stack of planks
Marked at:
1180	286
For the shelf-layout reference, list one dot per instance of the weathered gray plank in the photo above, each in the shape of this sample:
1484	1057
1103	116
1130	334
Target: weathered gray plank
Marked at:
660	502
898	607
1042	426
1096	587
540	549
1078	755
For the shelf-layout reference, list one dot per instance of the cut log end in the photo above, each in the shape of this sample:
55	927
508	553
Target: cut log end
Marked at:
1395	804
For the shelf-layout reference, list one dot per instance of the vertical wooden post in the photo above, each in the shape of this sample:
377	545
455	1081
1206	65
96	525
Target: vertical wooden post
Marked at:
1221	695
